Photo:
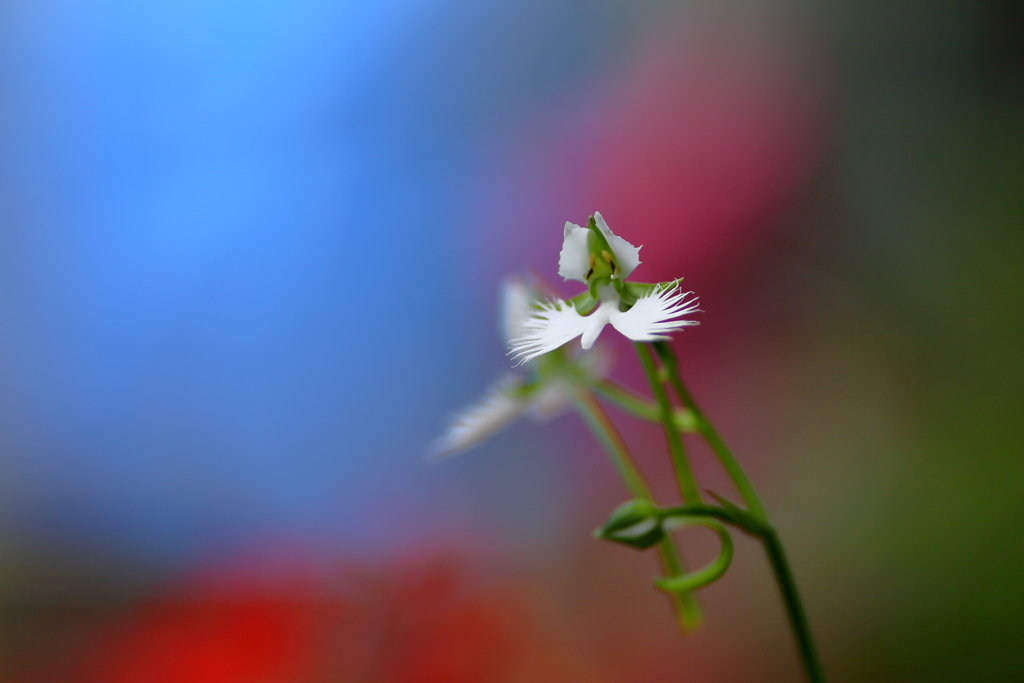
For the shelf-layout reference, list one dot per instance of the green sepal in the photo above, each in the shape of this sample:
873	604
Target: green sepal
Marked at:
635	523
628	293
600	275
584	303
631	291
602	267
597	241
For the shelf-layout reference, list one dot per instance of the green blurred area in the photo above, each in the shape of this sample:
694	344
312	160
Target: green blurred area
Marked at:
906	427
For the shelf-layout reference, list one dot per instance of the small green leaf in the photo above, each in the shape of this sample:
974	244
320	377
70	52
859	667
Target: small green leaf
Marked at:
635	523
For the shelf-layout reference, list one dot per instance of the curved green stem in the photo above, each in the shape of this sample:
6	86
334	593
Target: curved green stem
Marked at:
686	605
684	474
704	576
734	516
707	430
762	528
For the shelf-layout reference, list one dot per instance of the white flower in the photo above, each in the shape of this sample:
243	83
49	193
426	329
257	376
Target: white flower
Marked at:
557	322
602	260
541	398
499	407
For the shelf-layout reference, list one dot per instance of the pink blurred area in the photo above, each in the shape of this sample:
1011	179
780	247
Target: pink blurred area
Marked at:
701	146
694	146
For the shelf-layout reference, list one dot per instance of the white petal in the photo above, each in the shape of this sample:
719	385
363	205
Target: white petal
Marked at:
627	257
551	325
574	259
498	408
597	320
651	317
516	297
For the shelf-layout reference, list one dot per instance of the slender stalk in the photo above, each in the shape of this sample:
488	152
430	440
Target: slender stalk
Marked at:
642	407
599	422
707	430
628	401
686	605
794	607
684	473
769	537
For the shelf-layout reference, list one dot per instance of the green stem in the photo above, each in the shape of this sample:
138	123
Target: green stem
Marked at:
627	400
685	604
794	607
769	537
684	474
644	408
707	430
600	424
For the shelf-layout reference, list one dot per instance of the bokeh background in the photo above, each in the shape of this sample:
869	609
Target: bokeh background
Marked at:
249	259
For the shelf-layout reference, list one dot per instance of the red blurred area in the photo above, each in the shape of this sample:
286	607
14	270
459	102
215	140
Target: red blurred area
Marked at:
440	633
420	621
213	639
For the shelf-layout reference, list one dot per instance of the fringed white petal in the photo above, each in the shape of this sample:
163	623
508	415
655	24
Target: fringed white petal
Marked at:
551	325
498	408
627	257
654	315
574	259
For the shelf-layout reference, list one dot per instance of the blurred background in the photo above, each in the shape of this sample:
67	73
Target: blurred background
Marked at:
249	259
